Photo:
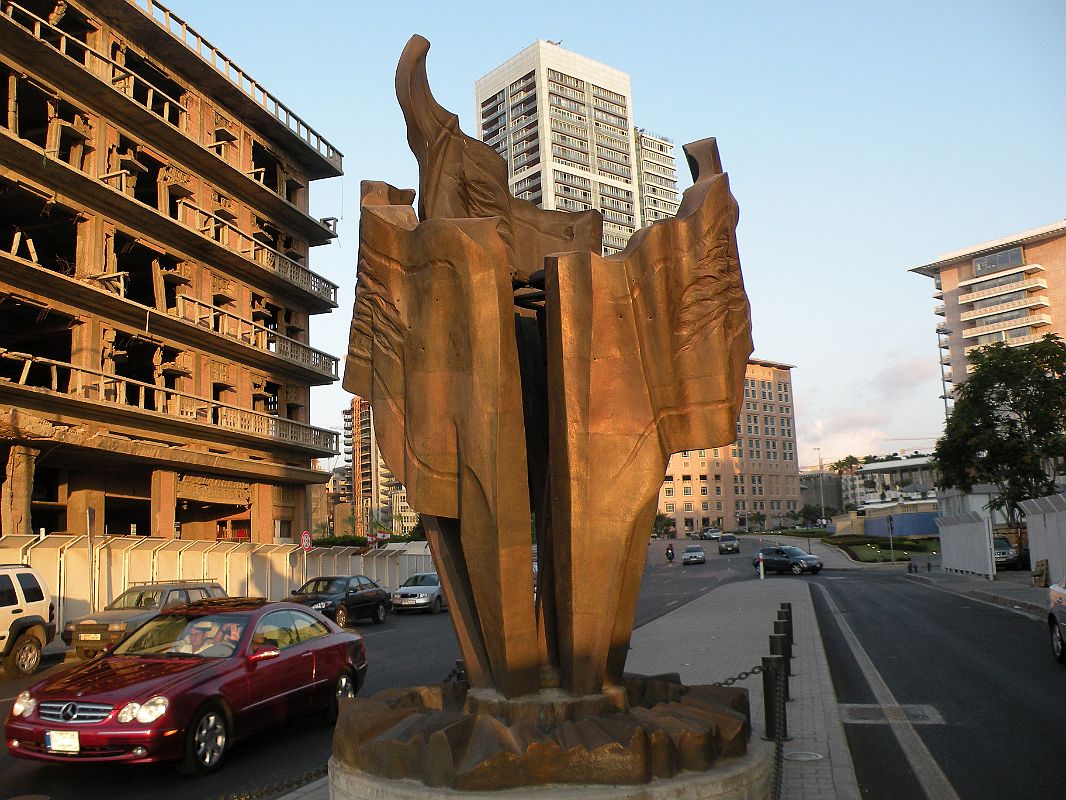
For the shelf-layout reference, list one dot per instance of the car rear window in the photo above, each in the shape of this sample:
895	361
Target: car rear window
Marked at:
30	588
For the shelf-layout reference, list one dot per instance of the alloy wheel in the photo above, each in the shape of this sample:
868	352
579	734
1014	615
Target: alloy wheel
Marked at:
210	739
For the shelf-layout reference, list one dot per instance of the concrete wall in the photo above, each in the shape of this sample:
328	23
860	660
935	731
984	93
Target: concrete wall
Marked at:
83	582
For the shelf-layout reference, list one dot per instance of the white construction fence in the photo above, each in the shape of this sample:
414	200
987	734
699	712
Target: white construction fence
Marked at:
83	582
966	544
1045	522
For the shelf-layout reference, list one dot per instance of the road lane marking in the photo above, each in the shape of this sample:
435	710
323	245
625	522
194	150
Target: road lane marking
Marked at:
934	782
672	603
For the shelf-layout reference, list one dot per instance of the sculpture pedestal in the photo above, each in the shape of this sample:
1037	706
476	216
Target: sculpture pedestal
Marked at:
651	737
743	778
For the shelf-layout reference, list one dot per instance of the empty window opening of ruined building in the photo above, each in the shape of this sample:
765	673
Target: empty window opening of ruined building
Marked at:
29	332
135	358
142	268
33	109
35	228
162	95
264	166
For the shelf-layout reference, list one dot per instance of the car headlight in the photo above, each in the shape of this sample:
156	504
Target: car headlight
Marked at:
149	711
24	705
320	605
116	626
69	626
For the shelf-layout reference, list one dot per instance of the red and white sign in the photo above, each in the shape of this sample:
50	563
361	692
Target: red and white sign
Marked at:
305	540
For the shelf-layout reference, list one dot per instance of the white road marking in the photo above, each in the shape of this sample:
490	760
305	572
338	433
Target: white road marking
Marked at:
932	779
673	603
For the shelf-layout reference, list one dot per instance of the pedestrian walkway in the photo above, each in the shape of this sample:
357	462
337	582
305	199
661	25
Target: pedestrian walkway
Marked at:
726	632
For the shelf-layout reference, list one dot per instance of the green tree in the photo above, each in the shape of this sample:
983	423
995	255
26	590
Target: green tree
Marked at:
845	464
758	520
810	514
418	532
1007	425
661	526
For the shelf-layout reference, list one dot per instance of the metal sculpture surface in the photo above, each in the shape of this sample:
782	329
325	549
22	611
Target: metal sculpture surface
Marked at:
520	381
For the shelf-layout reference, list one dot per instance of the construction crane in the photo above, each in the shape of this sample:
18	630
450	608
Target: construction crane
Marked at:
904	450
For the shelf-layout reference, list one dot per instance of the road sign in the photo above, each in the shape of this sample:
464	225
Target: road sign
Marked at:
305	540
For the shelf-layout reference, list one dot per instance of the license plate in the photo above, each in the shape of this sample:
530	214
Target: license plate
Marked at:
62	741
89	637
408	602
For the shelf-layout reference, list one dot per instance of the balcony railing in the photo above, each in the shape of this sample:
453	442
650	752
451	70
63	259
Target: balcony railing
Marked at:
1023	285
212	56
939	310
61	378
228	324
1026	268
119	76
1033	301
225	233
1006	325
1014	341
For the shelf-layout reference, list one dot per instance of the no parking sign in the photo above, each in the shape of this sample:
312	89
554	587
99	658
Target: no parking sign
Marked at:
305	540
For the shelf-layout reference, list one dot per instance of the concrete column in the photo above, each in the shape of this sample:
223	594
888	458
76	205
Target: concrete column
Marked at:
86	491
17	490
164	502
262	514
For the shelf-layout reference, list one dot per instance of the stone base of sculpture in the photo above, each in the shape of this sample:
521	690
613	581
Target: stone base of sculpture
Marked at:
652	737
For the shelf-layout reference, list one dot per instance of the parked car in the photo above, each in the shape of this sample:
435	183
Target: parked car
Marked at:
420	592
1007	556
710	534
728	543
188	684
1056	618
91	634
786	558
693	555
27	618
345	597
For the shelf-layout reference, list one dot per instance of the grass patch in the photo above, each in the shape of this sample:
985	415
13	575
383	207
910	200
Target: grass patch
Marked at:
874	551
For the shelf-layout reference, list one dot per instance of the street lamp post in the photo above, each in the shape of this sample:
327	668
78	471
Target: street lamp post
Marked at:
821	482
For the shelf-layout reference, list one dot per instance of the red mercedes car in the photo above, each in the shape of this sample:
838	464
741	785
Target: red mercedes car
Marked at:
188	684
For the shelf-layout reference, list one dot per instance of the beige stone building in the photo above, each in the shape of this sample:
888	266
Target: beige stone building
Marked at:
758	473
155	291
1004	290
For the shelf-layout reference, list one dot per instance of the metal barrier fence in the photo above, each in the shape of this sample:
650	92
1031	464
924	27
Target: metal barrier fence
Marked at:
83	582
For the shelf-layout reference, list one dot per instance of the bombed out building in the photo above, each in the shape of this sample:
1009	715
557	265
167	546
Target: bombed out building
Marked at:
155	289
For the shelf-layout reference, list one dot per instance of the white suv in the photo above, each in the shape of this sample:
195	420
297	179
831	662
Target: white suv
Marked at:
27	618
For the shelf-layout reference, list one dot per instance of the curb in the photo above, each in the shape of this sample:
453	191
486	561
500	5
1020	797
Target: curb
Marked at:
989	597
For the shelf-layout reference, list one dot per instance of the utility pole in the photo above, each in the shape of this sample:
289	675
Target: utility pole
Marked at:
821	482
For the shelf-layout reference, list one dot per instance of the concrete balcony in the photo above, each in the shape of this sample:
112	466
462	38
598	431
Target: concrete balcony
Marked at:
1021	269
1026	285
942	329
1016	341
1034	301
1033	320
89	386
243	330
213	227
939	310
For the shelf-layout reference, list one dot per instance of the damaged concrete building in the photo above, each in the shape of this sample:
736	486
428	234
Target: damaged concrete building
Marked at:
155	294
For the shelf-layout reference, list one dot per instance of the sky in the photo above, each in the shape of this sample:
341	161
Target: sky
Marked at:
860	140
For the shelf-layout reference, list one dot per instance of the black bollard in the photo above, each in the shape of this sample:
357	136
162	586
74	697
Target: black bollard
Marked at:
779	647
929	566
773	695
785	615
781	627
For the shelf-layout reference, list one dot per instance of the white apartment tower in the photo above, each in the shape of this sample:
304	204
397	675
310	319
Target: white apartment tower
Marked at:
656	177
564	124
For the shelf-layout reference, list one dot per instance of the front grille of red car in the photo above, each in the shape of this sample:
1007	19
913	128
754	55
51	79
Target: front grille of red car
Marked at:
71	712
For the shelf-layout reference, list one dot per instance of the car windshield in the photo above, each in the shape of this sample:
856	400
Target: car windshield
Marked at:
136	598
795	552
1002	541
694	548
420	580
323	586
727	537
181	636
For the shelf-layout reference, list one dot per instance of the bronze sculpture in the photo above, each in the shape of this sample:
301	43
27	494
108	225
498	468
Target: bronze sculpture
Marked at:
520	379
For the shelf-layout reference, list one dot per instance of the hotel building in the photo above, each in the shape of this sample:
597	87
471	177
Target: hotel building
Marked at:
723	487
1005	290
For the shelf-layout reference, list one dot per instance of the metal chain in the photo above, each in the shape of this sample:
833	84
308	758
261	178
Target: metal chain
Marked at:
739	677
457	674
279	788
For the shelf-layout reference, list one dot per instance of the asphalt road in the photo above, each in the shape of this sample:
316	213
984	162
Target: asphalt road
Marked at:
998	718
408	650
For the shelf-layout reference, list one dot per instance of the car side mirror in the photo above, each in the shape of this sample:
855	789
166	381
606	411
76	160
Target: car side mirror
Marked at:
264	653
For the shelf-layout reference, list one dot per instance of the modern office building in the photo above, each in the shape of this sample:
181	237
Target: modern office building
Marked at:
757	474
564	124
1005	290
155	294
378	499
